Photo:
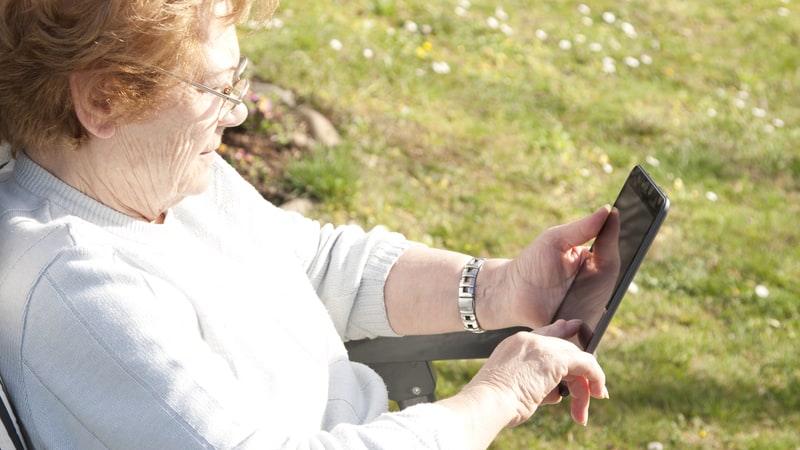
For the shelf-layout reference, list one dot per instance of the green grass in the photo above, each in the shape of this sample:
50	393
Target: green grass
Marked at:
523	133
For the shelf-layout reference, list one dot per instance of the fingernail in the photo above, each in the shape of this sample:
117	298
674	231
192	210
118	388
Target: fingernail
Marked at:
605	393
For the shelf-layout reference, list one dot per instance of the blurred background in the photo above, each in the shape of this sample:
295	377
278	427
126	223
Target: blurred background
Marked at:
474	125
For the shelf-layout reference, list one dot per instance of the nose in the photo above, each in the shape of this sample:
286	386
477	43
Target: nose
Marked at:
234	117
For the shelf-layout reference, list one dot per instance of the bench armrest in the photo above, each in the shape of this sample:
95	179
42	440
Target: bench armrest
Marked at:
404	363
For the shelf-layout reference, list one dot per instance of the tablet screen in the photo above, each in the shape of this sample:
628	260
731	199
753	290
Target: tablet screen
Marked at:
622	243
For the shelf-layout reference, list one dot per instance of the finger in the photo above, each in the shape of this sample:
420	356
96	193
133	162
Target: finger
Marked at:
553	398
582	230
579	405
586	366
607	243
561	328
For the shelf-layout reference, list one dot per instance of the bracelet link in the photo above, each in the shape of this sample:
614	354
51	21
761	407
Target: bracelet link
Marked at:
466	295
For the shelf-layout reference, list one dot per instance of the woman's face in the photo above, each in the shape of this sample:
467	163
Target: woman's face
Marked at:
169	155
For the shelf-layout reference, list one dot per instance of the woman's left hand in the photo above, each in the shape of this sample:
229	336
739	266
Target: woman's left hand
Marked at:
527	290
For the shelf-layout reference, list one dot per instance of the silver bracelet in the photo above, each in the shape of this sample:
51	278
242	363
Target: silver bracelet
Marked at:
466	295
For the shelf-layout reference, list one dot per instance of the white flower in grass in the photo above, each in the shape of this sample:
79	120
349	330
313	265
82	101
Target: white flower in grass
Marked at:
628	29
580	39
609	17
441	67
584	9
275	23
500	13
596	47
633	288
506	29
336	44
712	196
460	11
783	12
411	26
652	160
540	34
609	65
768	128
564	44
655	44
778	123
773	322
368	53
608	168
646	59
464	4
759	112
762	291
711	112
740	103
587	21
631	61
492	22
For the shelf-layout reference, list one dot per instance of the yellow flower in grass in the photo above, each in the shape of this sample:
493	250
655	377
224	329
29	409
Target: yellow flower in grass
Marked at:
265	107
424	49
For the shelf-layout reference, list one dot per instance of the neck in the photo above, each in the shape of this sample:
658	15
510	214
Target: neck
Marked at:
105	180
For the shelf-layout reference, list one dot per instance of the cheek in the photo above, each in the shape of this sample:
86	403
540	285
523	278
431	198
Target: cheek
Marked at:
193	137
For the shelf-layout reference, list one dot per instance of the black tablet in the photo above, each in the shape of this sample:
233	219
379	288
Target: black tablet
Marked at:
599	286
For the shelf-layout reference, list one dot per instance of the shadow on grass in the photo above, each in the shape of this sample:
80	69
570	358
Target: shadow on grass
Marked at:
736	399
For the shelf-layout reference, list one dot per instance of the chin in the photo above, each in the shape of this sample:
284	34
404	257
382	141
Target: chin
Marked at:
197	182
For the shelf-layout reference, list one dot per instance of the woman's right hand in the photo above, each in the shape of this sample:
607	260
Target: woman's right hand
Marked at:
527	367
522	374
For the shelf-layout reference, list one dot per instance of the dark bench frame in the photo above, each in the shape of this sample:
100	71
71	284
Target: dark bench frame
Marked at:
405	363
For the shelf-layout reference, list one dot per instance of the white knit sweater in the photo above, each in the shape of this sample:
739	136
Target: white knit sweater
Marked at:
221	328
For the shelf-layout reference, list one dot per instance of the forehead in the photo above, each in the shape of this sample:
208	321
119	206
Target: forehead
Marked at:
221	48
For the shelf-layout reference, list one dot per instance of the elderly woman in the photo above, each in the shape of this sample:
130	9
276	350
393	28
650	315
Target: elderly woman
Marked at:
150	298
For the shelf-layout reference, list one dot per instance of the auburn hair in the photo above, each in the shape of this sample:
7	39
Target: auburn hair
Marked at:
126	45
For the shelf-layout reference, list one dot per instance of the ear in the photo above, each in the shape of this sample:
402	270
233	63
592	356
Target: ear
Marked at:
94	115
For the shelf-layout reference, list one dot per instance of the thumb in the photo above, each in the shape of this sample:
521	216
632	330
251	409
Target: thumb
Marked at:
607	243
582	230
561	328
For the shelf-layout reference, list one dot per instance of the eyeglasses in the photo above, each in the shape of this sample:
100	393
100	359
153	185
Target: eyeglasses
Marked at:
232	94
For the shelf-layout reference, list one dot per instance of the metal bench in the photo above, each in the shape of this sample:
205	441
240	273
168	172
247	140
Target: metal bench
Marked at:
11	434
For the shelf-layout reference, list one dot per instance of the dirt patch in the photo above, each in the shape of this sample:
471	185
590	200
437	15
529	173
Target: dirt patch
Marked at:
278	130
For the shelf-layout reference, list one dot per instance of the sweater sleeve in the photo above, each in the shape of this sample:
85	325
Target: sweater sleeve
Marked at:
347	265
349	271
112	359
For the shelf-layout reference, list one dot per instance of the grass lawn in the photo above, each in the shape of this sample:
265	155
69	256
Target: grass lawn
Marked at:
476	125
